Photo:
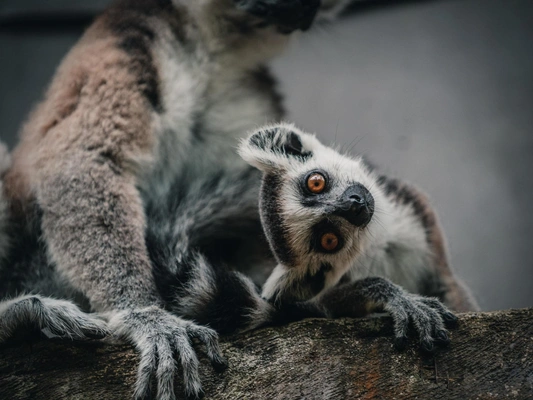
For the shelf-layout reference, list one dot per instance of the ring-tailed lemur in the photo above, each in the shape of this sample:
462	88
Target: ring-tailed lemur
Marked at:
333	226
126	196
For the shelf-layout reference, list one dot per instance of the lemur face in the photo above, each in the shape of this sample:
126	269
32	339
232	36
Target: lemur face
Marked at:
316	206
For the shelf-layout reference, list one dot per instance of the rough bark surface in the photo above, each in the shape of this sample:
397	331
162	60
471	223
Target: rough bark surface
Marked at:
491	356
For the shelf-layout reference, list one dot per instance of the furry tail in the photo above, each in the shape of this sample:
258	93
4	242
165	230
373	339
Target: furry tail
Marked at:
5	162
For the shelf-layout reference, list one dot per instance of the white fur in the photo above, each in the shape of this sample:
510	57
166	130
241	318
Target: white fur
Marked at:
188	84
275	282
395	224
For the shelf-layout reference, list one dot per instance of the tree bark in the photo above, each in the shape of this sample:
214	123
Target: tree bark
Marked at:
491	356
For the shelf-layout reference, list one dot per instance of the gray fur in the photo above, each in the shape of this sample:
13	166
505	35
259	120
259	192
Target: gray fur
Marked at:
399	242
157	336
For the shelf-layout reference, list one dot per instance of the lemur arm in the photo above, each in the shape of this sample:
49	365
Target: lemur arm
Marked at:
80	162
93	222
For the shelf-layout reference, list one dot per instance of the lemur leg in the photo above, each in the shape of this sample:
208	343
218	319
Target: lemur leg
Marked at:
60	317
427	315
84	172
102	252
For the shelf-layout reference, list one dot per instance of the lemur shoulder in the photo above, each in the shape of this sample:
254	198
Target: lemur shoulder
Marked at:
125	197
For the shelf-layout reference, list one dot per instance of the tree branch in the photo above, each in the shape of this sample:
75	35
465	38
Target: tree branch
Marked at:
491	356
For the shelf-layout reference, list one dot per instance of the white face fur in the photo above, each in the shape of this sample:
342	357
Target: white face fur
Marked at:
317	208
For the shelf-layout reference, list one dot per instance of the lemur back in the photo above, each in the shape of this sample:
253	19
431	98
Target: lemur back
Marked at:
126	197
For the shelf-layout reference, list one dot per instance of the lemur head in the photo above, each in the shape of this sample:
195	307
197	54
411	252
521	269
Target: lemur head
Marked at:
316	209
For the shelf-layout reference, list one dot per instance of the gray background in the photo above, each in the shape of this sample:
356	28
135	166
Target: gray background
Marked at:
439	93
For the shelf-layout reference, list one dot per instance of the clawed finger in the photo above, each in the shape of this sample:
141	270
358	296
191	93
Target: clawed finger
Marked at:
210	339
426	315
147	368
442	338
166	370
94	329
448	317
190	364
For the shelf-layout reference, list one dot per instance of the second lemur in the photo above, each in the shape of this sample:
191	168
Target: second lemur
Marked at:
335	228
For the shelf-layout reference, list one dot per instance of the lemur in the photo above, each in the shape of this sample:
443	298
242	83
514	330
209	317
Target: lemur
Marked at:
126	198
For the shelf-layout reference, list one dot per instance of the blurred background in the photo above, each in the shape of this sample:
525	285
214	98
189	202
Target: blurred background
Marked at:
439	93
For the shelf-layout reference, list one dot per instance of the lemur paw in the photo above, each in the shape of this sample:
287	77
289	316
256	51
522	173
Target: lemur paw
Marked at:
160	336
287	15
428	316
55	317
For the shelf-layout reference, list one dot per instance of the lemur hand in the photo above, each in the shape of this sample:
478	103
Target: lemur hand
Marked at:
159	336
287	15
55	317
427	315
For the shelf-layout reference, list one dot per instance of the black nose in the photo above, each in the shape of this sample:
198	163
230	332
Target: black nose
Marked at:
356	205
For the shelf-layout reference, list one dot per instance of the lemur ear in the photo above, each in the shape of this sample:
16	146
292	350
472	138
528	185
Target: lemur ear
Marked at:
277	146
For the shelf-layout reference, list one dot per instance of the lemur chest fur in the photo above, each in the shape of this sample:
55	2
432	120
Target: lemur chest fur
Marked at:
206	109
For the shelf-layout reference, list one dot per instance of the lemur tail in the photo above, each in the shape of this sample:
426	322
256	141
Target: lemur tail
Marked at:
194	282
225	300
5	162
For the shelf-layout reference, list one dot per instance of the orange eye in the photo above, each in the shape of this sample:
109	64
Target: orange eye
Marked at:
316	183
329	241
